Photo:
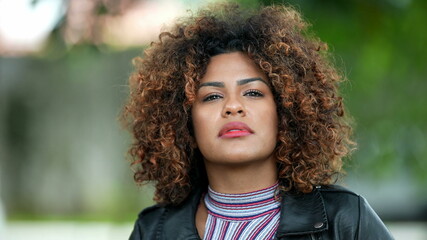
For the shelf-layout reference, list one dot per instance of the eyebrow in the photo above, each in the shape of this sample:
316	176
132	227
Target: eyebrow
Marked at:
239	82
212	84
248	80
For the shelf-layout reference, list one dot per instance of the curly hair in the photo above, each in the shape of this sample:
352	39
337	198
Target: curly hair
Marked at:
314	133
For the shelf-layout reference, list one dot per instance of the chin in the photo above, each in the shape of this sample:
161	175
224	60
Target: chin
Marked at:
240	159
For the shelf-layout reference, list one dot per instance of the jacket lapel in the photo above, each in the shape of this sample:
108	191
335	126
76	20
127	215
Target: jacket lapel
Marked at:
302	214
180	221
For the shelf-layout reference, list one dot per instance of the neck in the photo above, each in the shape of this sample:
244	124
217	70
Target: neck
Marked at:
241	178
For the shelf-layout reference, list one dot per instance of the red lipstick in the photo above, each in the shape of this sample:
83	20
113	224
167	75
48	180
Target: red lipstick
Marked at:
235	129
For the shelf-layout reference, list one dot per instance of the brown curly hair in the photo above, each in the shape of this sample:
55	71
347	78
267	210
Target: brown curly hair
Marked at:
313	137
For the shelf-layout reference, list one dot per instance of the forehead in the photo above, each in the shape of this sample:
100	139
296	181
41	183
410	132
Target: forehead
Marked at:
230	67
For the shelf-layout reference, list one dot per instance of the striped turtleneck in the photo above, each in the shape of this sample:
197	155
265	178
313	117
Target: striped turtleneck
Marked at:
249	216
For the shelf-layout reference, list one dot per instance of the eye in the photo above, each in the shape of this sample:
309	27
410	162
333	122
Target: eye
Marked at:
253	93
212	97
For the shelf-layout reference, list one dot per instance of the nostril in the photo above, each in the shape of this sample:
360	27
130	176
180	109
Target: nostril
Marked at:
228	112
240	111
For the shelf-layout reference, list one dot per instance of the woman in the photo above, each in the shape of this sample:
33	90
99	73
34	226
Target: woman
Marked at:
237	119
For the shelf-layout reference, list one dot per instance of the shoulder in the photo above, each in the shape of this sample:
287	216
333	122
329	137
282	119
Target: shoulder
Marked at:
151	212
148	220
334	193
340	202
337	189
338	198
165	221
351	213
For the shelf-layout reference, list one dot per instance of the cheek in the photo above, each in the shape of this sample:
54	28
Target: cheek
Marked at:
200	124
195	122
272	122
274	127
270	115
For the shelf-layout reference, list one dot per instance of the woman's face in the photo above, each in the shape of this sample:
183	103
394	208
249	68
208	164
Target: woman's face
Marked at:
234	116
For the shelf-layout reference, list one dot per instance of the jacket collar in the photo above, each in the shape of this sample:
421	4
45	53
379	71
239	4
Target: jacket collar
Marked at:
300	214
180	221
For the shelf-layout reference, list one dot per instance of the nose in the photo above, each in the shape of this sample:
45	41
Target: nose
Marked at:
233	107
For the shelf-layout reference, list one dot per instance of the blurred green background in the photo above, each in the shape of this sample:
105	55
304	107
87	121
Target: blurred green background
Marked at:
63	152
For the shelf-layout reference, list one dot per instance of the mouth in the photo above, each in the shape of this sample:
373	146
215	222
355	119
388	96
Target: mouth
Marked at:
234	130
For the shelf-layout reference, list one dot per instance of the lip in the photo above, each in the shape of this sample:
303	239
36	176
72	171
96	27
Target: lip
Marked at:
235	129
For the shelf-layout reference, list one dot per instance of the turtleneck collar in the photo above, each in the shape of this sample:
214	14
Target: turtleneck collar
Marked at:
242	206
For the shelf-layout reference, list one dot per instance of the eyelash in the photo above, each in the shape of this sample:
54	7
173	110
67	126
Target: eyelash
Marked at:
212	97
250	93
253	93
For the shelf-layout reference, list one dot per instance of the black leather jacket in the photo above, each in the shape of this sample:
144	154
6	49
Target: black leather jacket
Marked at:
328	212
